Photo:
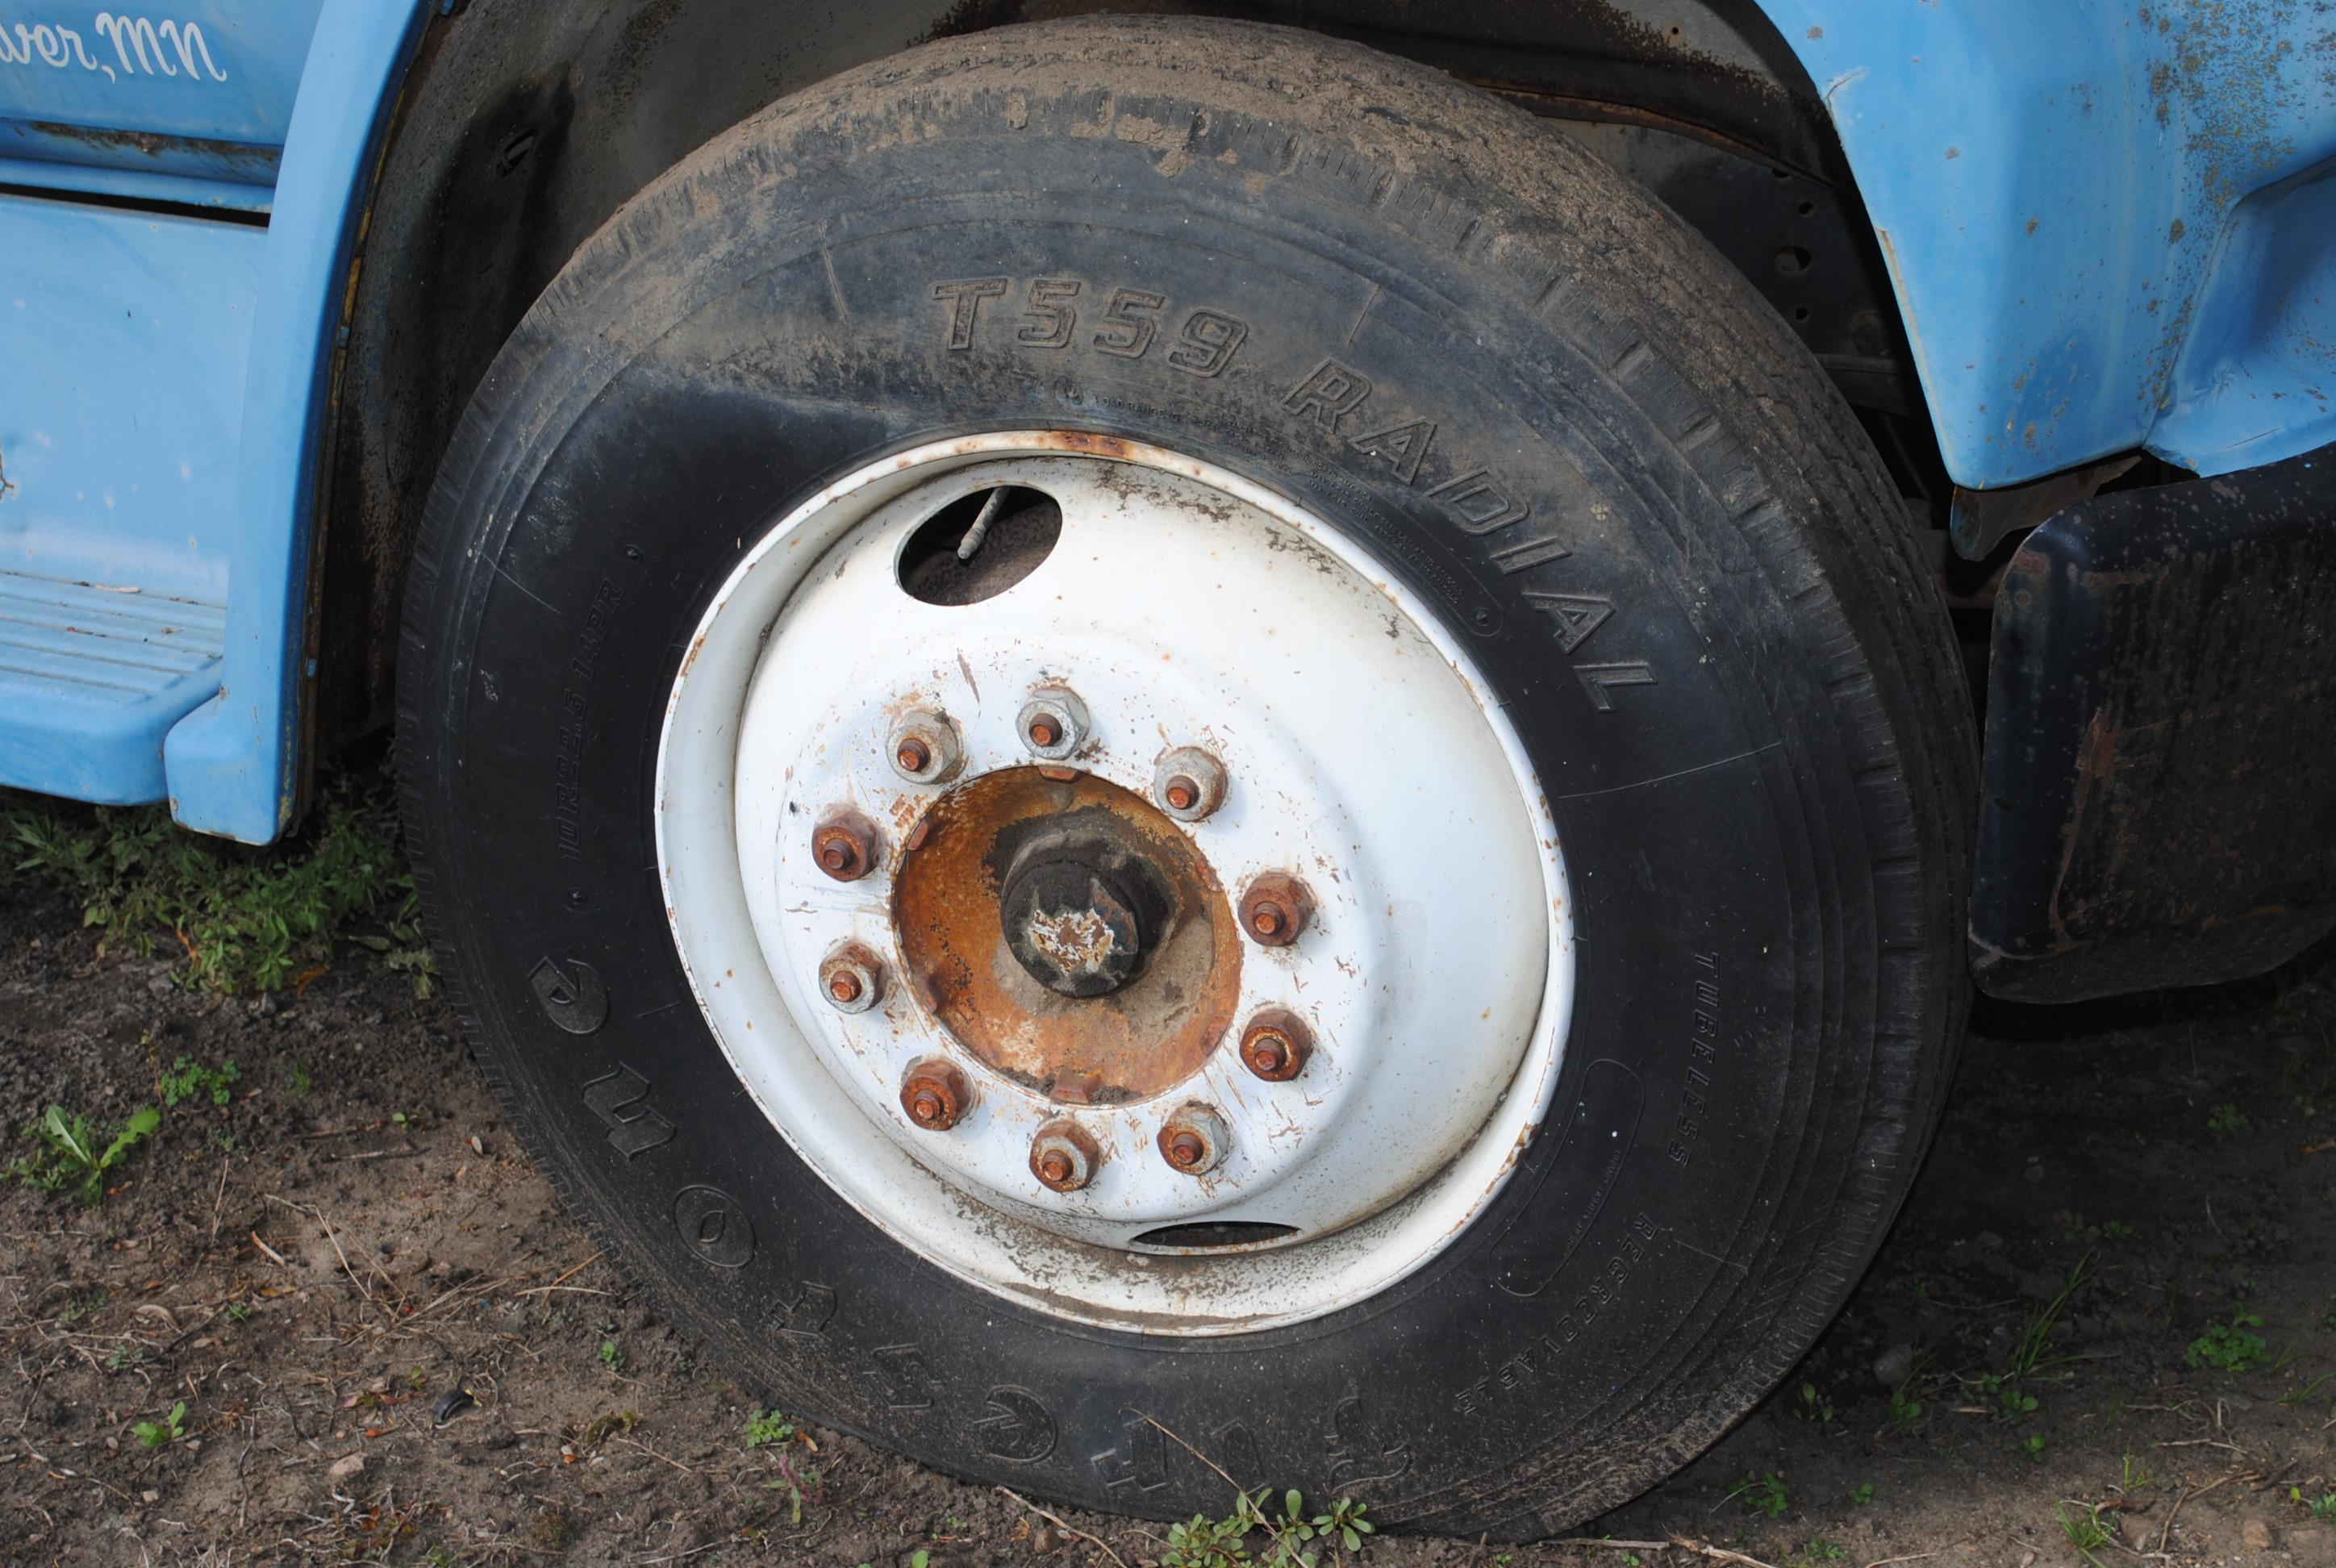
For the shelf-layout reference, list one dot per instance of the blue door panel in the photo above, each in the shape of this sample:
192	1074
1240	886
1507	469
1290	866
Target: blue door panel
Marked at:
125	336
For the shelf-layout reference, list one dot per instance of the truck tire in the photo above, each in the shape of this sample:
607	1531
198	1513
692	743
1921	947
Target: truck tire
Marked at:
1393	927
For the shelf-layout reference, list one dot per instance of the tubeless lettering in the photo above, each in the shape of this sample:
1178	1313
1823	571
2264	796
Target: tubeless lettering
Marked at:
902	1378
1702	1045
1522	1365
1236	1450
714	1225
570	993
1019	1428
1139	1458
621	1101
806	1316
1362	1448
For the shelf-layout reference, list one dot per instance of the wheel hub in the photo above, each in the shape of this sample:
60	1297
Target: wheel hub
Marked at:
1175	891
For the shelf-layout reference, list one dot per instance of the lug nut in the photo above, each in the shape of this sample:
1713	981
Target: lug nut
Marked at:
1064	1156
1275	909
1188	783
925	749
844	846
1275	1046
1054	722
935	1094
1193	1140
852	979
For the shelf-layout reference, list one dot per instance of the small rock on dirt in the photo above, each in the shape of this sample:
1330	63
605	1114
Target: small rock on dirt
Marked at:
2136	1530
346	1465
1894	1366
2257	1535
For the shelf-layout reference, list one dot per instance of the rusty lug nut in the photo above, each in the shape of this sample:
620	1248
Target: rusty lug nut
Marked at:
851	977
1054	722
1275	1046
925	749
1275	909
1188	783
844	846
1193	1140
935	1094
1064	1156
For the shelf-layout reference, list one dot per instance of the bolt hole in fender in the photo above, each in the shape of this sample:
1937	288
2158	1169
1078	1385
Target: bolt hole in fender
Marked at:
1176	782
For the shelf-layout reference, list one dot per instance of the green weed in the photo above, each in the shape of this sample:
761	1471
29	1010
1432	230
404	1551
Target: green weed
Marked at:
2225	1119
2322	1508
768	1429
168	1430
2230	1347
1761	1496
71	1151
1815	1409
1293	1537
1862	1494
188	1080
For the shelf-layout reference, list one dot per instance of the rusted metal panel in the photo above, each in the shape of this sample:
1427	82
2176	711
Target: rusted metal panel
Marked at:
2160	777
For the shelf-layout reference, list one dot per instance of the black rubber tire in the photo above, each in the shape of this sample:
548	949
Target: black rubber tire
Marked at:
1735	679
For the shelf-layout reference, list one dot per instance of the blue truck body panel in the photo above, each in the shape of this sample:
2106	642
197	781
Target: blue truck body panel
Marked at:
2109	226
2107	223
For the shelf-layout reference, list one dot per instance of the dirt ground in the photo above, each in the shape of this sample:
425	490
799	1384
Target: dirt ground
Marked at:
313	1266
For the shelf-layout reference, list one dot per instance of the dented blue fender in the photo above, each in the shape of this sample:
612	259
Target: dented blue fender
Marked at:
2109	226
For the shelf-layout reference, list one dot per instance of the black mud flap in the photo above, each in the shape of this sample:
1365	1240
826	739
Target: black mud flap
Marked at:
2160	777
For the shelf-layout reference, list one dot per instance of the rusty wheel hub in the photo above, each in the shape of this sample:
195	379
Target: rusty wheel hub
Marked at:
1144	874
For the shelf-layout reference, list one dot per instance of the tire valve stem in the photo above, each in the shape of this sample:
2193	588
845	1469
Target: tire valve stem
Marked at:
981	528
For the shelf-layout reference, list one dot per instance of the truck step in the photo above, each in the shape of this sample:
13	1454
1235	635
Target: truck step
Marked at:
92	677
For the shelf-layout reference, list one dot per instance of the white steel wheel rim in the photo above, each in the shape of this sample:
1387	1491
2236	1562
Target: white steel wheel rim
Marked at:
1185	607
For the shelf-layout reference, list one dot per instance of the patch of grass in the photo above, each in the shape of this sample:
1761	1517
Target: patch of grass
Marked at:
162	1433
2225	1119
1763	1496
191	1080
2304	1391
1815	1408
2084	1531
71	1151
1818	1549
2232	1347
1862	1494
612	1355
2322	1508
245	918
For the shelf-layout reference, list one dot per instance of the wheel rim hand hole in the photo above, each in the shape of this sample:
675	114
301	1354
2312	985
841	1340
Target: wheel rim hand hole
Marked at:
1022	531
1215	1235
